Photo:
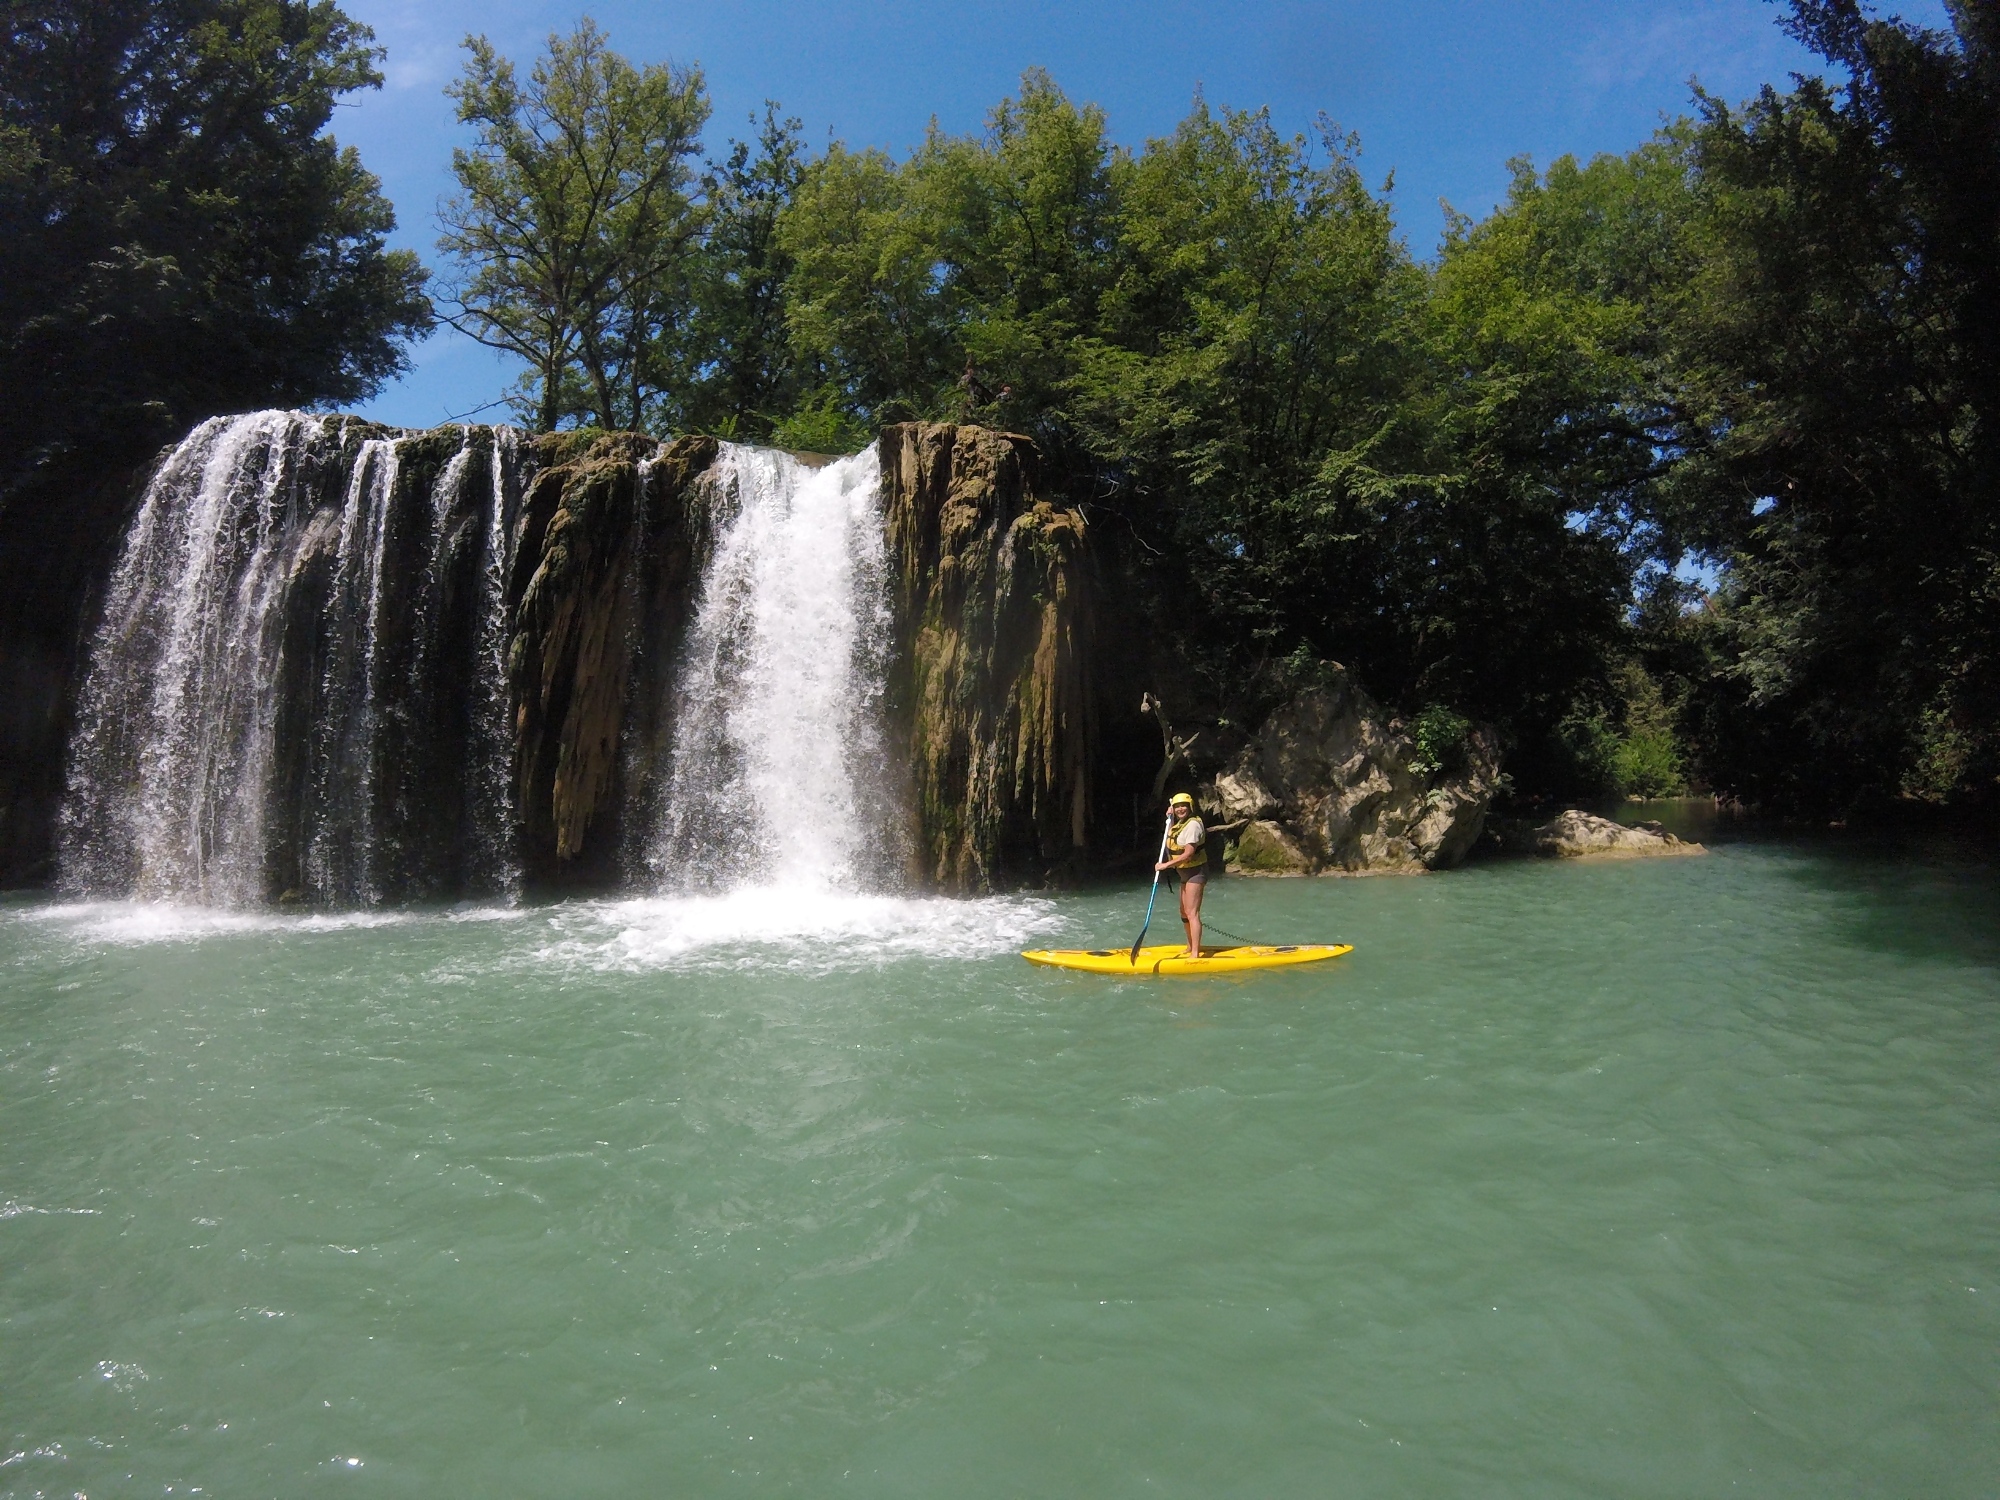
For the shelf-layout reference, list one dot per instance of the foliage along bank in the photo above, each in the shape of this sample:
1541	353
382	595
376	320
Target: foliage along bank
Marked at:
1678	466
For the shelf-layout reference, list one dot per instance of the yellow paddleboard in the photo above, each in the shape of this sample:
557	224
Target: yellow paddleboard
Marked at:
1167	958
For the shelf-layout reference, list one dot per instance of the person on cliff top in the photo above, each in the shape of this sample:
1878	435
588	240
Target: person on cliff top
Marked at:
1188	861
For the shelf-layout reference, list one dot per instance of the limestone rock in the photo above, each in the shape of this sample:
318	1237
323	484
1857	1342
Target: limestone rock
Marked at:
603	578
993	615
1582	835
1264	848
1237	794
1332	783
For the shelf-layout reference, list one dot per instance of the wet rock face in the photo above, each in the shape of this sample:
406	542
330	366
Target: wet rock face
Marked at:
1330	784
1582	835
604	578
990	685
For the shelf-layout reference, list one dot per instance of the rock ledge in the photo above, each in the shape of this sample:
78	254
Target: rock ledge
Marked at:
1582	835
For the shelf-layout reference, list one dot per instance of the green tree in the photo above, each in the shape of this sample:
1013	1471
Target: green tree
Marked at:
1839	350
573	228
862	302
1300	443
745	376
1550	421
1026	246
930	287
178	236
1254	329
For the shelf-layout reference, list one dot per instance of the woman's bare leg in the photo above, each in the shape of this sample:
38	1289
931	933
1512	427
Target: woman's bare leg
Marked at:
1191	914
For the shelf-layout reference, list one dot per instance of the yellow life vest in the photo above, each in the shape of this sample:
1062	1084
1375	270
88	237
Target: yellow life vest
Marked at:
1173	845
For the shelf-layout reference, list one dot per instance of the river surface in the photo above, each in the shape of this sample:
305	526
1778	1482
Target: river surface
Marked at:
1666	1178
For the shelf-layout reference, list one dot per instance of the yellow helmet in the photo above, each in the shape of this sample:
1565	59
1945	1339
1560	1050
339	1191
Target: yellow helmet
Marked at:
1178	798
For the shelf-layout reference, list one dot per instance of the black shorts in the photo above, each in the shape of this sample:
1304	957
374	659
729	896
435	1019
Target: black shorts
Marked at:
1197	876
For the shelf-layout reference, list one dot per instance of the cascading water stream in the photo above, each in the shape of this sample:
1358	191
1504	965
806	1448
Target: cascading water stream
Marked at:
299	653
175	720
778	774
302	686
494	857
340	854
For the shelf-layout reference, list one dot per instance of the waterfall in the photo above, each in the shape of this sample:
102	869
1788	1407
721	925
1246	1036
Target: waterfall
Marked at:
322	675
297	687
779	773
495	856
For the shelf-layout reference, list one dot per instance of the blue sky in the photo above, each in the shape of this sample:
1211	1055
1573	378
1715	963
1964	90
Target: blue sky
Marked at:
1442	92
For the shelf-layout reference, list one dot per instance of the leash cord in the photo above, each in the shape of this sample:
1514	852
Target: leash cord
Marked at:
1208	926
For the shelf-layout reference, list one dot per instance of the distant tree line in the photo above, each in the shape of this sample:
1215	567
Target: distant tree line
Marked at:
1678	466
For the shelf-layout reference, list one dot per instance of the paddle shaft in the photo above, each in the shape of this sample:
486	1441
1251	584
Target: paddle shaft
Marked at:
1155	893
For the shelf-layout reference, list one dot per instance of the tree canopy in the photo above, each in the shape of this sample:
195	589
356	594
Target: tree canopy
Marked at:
1837	352
178	234
1679	463
1678	466
573	224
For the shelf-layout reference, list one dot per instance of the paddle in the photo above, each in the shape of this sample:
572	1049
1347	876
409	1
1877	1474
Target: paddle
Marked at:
1156	887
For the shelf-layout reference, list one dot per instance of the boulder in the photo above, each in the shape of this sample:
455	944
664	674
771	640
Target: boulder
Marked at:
1582	835
1331	783
1264	848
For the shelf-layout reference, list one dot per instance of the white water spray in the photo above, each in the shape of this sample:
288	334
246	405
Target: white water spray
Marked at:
778	773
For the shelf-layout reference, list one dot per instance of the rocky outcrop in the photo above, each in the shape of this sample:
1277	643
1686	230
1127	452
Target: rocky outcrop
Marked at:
1582	835
603	580
1267	848
1332	784
990	683
422	665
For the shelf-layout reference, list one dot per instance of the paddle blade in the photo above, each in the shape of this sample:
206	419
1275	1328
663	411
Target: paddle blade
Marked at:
1152	896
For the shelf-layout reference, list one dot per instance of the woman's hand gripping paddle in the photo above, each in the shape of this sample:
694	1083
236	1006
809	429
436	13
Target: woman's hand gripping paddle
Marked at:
1169	828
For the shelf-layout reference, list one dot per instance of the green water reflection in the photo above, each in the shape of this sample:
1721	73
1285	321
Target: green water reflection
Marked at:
1654	1179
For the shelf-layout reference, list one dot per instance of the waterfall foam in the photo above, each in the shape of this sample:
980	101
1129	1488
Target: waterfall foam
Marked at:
779	774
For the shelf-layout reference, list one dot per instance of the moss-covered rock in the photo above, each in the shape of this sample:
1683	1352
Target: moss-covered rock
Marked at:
1264	848
603	579
990	685
1576	834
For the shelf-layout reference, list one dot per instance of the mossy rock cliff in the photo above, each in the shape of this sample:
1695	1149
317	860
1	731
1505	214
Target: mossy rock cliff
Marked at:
604	576
991	686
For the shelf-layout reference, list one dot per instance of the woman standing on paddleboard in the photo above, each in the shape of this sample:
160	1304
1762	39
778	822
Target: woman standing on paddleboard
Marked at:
1188	858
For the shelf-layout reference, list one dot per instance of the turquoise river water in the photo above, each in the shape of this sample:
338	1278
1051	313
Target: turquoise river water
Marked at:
1669	1178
